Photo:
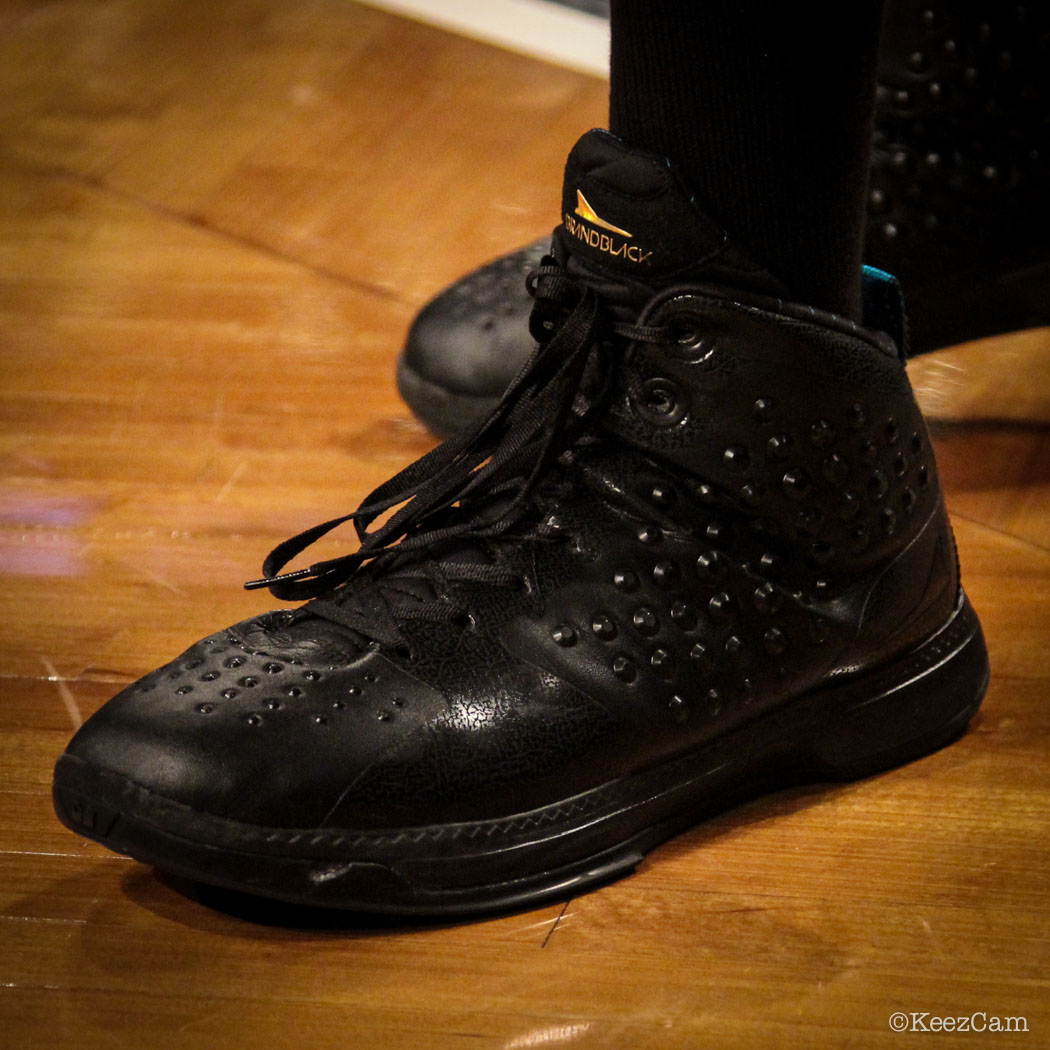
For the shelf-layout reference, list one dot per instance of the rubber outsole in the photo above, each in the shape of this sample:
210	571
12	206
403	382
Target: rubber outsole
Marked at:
845	730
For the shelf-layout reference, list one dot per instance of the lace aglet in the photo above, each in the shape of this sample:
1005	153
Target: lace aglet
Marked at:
284	577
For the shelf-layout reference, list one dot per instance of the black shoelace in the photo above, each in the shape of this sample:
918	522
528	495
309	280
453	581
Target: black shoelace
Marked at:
471	491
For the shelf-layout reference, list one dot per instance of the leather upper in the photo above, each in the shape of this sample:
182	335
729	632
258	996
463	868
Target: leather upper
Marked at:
760	513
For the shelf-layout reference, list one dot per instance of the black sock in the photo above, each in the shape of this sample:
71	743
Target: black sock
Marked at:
766	107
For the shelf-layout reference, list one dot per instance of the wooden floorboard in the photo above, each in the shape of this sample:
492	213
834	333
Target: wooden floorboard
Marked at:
216	221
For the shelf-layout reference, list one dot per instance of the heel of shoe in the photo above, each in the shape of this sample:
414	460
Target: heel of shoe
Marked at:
921	703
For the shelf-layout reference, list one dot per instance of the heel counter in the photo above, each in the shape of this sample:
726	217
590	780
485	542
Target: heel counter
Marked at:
915	594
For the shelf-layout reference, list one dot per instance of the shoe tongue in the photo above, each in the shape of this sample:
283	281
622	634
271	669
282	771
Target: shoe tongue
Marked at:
629	214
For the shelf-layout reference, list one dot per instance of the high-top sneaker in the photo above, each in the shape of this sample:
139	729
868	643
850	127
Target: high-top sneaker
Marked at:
698	551
957	209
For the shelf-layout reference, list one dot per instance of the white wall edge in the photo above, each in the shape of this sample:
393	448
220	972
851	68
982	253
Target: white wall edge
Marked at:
570	38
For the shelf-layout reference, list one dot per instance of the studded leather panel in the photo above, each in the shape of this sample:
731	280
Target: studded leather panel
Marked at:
787	528
761	512
829	458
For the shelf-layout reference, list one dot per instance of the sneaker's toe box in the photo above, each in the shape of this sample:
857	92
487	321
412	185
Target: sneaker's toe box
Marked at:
249	728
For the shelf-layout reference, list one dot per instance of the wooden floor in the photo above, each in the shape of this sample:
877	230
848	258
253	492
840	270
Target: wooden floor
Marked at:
216	220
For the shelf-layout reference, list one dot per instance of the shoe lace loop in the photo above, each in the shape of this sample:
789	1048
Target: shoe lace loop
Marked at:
474	487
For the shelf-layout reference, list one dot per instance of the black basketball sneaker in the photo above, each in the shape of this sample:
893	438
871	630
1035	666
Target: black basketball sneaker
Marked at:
698	551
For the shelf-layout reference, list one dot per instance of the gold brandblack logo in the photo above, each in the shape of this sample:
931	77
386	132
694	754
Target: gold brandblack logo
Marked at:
603	241
585	211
